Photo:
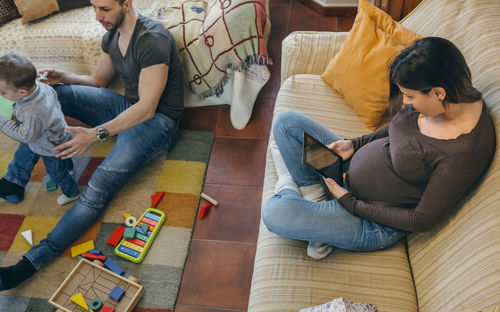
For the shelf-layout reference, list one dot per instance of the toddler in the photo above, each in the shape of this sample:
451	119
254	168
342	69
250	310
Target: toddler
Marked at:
38	124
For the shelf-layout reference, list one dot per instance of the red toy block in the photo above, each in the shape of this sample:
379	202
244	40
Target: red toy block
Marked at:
90	256
203	210
156	198
149	221
117	235
107	309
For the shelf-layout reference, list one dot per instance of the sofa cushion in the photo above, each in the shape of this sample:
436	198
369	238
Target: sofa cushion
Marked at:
359	70
284	278
8	11
456	265
32	10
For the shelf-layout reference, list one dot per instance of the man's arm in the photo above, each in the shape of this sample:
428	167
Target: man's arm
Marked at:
101	77
152	81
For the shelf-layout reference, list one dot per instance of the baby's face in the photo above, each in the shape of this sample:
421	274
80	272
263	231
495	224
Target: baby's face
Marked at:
10	92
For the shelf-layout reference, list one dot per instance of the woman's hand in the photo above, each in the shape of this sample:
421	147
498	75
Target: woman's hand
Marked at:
83	138
51	77
336	190
344	148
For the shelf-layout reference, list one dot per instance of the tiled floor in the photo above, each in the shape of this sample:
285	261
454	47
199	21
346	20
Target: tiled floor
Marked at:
219	267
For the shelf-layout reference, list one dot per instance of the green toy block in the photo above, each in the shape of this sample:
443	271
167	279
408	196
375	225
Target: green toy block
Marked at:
129	232
51	186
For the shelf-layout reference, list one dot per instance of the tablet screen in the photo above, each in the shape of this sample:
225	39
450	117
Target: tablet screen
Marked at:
322	159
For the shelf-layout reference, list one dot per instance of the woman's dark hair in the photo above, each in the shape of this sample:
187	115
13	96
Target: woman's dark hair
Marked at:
428	63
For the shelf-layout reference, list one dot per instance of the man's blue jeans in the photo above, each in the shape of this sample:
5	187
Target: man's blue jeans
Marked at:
133	148
289	215
24	161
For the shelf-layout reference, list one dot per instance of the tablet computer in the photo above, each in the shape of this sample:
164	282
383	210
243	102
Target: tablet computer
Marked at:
321	159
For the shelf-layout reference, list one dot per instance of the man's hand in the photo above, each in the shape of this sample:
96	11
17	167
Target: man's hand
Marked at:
83	138
336	190
52	77
343	147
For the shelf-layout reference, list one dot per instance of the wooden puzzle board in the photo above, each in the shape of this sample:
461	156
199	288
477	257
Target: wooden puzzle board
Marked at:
94	281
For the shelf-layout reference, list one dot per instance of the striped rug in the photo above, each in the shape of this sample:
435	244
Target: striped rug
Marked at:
180	176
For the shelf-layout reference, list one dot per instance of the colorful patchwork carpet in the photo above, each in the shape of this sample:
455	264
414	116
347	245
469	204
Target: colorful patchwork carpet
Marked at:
180	176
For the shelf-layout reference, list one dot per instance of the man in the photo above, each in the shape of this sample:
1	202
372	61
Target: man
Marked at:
145	120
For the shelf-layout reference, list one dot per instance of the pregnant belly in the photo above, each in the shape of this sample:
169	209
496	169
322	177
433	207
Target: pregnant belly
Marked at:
372	177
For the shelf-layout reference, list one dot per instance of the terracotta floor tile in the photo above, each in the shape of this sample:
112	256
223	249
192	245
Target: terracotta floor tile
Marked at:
218	274
280	16
236	161
201	118
257	127
303	18
190	308
237	216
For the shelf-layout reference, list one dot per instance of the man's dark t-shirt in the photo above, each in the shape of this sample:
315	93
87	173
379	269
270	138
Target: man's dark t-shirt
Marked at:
150	44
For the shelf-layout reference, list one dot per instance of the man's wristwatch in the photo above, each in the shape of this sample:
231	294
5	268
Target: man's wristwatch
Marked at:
101	134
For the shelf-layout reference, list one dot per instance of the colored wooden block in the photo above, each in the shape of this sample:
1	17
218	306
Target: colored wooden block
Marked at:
95	251
129	233
156	198
150	227
28	235
139	229
145	227
141	237
117	293
129	251
90	256
152	216
51	186
126	215
96	304
79	300
79	249
107	309
132	246
113	266
204	210
117	235
137	242
149	221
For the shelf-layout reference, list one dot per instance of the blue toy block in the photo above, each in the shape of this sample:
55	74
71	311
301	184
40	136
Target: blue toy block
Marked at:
152	216
113	266
129	251
95	252
139	229
117	293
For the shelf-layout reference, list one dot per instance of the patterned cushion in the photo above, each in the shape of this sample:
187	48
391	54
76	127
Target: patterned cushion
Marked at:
8	11
456	265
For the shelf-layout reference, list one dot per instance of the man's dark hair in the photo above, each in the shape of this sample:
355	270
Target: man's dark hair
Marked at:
17	70
428	63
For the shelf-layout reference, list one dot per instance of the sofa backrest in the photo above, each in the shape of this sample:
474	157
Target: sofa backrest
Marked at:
456	266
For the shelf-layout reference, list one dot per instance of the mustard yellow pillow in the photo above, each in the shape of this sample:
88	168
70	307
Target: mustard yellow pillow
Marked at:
359	71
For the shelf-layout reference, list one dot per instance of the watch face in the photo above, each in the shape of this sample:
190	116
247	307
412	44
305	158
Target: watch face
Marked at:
102	134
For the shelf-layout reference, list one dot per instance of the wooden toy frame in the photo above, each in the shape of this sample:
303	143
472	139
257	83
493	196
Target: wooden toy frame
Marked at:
94	281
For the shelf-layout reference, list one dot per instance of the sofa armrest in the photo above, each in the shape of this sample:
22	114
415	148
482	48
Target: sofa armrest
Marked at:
307	52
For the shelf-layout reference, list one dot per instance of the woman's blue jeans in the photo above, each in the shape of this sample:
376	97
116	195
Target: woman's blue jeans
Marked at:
289	215
133	148
24	161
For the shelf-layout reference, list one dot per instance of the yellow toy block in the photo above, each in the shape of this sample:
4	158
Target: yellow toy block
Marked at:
126	215
79	300
79	249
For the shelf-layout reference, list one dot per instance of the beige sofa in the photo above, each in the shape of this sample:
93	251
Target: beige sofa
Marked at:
453	267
